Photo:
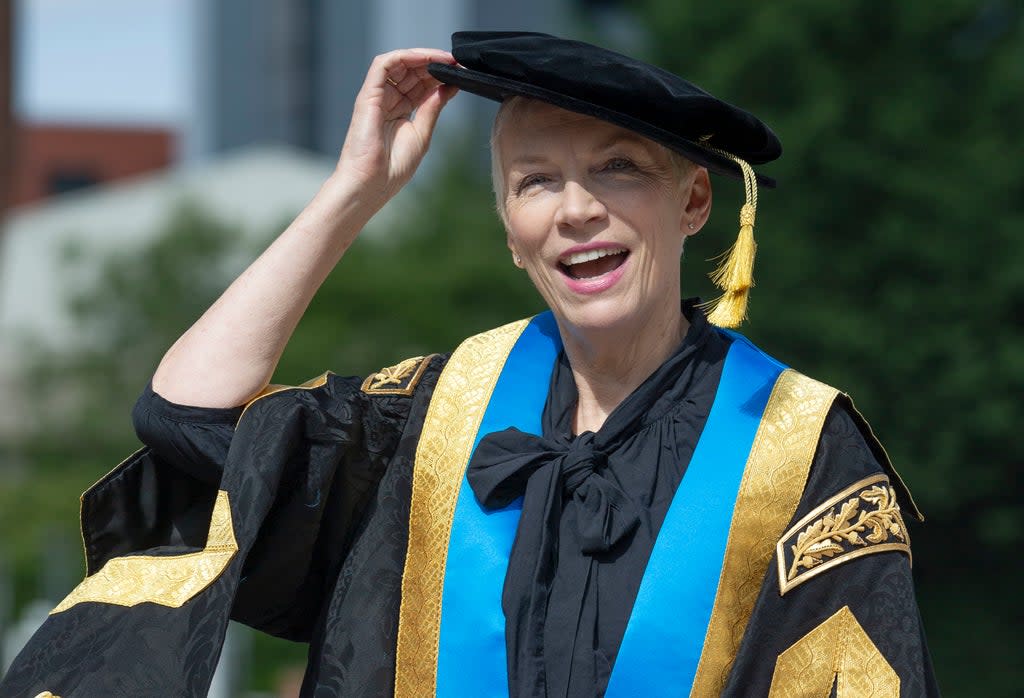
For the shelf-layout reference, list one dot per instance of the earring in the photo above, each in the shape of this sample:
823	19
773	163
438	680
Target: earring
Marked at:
516	259
690	225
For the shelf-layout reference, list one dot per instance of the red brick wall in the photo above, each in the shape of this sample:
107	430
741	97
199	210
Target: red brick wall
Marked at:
6	124
50	158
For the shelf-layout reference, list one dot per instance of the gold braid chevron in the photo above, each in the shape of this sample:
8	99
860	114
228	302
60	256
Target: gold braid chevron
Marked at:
772	484
837	653
449	429
167	580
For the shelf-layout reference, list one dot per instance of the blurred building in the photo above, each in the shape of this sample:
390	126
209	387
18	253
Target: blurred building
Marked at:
272	84
51	159
254	188
287	70
6	118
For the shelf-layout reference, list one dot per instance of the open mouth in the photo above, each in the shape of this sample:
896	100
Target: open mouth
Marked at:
593	263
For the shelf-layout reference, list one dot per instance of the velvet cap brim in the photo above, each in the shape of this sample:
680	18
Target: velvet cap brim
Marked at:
612	87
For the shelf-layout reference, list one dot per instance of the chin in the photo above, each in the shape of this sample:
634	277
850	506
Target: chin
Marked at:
599	315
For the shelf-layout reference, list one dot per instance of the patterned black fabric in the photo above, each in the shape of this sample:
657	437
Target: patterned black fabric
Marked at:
353	648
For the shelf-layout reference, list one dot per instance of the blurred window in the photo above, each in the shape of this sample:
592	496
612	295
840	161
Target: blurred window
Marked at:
61	181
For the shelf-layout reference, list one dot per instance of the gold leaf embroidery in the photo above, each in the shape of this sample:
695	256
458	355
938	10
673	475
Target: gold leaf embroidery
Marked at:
394	375
400	379
867	522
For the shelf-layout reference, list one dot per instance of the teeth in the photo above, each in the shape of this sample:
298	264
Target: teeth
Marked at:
591	255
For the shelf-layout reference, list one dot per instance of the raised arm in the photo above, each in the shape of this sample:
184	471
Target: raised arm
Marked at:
229	354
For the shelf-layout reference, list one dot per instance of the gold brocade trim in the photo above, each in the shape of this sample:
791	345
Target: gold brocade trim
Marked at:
275	388
46	694
886	461
400	379
773	482
449	429
836	653
821	541
166	580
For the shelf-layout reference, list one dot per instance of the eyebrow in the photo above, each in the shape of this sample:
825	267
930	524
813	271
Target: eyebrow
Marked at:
614	140
623	137
528	159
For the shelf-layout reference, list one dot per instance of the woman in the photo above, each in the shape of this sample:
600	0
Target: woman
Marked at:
613	498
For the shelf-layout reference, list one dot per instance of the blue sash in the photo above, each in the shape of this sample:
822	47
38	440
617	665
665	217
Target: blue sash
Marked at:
665	634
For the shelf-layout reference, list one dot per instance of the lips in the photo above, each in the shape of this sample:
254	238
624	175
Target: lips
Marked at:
592	263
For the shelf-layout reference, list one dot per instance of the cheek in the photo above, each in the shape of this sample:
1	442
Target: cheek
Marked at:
527	225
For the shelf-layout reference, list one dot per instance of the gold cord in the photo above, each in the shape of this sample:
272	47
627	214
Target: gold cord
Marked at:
735	273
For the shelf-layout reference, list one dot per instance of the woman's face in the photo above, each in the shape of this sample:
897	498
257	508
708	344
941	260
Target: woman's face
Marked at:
598	216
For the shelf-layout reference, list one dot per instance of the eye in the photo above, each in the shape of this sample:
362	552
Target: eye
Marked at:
619	165
529	180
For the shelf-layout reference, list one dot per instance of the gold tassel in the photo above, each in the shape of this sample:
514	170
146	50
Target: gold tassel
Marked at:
735	274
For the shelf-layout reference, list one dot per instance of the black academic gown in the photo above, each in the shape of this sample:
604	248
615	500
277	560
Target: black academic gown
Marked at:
319	479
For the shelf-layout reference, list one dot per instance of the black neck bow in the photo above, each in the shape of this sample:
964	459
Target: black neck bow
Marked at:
546	473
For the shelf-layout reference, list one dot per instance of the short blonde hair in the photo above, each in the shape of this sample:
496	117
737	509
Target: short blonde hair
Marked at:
509	109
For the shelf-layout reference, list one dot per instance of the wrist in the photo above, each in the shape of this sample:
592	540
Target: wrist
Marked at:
349	203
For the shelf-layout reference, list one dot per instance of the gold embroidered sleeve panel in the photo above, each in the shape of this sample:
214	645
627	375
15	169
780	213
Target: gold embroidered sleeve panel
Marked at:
167	580
836	654
400	379
861	520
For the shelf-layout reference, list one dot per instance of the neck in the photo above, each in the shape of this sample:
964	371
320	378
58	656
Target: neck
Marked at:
609	364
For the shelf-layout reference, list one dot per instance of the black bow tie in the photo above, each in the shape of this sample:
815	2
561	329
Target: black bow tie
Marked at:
511	464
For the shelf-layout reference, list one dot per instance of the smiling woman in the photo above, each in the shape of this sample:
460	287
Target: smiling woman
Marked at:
597	216
614	497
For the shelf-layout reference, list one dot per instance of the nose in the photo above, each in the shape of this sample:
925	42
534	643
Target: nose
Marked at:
578	206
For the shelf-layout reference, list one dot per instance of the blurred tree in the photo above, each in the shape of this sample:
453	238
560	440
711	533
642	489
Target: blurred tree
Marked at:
890	260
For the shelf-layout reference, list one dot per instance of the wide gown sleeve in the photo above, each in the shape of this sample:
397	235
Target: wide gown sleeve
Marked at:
194	439
851	628
161	495
333	442
183	535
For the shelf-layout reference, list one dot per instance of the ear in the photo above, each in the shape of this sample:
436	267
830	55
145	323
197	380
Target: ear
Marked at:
696	203
516	259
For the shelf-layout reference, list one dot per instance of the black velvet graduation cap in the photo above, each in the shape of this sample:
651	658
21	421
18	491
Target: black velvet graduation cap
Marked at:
637	96
613	87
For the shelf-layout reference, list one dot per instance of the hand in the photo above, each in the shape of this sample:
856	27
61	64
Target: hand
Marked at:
385	142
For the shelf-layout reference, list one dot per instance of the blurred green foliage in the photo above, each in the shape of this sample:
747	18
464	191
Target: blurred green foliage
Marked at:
890	261
890	265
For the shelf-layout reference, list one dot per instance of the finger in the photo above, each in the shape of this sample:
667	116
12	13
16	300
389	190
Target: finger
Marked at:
402	104
416	57
399	105
406	83
426	116
402	96
412	76
397	64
